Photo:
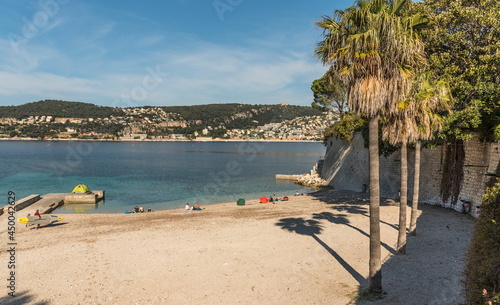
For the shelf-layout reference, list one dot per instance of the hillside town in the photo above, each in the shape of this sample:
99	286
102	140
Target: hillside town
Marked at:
154	123
303	128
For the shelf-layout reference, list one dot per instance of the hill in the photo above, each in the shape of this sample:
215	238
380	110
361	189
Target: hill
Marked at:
39	119
237	116
62	109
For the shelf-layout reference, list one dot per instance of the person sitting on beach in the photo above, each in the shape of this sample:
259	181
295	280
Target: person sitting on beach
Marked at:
276	199
197	207
297	193
271	199
136	209
187	207
141	209
37	213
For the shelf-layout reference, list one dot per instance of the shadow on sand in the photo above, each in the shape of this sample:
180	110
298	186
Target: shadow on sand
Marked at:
431	272
313	228
33	227
343	204
21	298
341	219
351	202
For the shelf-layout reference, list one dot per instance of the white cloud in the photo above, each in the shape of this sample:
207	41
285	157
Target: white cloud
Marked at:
53	24
150	40
104	29
193	73
227	71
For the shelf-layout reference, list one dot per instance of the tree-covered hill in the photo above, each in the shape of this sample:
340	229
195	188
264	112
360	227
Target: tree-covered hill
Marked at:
211	120
239	116
229	115
59	109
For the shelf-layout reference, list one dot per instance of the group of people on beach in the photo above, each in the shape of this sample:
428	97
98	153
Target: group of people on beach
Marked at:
37	213
272	199
196	207
140	209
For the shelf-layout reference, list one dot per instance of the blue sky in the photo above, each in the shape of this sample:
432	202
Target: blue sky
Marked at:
160	53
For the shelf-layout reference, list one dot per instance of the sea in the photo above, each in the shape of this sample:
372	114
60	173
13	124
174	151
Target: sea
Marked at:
156	175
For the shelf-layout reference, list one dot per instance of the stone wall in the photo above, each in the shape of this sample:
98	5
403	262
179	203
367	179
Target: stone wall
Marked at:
22	203
346	168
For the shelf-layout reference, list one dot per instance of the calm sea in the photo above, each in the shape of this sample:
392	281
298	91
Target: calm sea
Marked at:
157	175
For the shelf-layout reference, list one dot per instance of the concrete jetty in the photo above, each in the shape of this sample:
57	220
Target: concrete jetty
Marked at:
288	177
47	203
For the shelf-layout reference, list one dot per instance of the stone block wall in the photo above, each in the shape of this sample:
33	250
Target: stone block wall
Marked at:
80	198
346	167
22	203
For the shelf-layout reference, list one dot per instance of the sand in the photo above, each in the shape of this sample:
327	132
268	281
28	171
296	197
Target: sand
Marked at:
312	249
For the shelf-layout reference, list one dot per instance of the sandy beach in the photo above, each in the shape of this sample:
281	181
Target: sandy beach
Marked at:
312	249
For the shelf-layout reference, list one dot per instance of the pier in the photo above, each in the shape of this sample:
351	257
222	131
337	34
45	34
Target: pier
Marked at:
288	177
47	203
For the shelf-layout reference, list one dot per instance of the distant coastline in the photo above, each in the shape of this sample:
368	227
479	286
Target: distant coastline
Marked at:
158	140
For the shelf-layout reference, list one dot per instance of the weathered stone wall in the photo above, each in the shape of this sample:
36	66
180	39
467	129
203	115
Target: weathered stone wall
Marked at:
22	203
346	168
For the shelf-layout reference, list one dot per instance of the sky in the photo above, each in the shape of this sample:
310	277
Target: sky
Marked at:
160	52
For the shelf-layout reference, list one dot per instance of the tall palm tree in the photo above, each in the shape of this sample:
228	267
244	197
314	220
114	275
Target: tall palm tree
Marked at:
432	98
373	49
399	128
416	119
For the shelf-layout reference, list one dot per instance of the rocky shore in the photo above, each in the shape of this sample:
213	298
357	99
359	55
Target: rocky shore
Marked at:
313	179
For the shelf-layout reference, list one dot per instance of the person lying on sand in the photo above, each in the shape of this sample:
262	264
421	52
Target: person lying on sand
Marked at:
197	207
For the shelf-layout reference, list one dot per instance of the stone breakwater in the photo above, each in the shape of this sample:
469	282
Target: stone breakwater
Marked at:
312	179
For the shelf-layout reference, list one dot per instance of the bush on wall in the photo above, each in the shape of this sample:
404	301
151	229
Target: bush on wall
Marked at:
482	272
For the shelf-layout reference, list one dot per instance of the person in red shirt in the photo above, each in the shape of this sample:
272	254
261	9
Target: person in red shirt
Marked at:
37	213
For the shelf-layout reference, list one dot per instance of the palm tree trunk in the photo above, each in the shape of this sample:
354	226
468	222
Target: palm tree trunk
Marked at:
375	265
416	190
403	200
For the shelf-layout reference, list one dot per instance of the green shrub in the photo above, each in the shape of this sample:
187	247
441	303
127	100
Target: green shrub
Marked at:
345	127
482	272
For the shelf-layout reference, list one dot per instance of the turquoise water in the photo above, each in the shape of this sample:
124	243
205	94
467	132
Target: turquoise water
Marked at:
157	175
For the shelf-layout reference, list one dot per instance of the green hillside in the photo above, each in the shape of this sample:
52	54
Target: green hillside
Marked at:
216	118
238	116
59	109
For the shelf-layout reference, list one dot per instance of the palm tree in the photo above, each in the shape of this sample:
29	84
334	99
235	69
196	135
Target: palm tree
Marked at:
373	49
400	128
416	119
432	99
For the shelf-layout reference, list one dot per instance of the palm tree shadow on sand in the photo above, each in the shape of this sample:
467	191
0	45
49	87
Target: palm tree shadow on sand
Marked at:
313	228
350	202
341	219
21	298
